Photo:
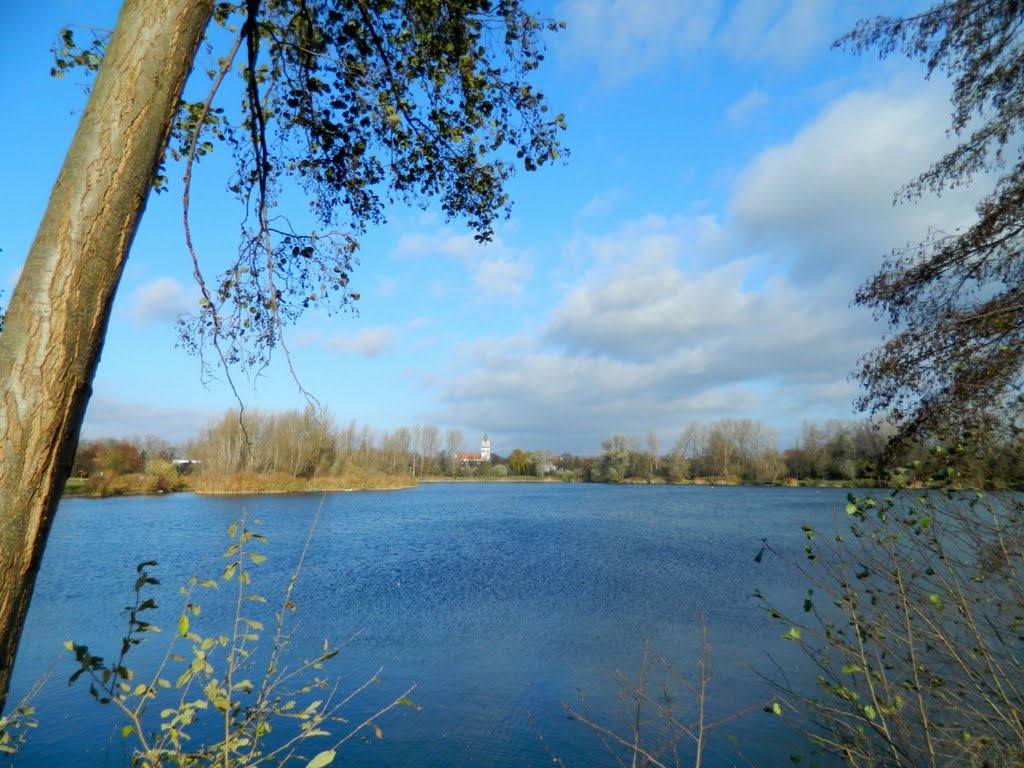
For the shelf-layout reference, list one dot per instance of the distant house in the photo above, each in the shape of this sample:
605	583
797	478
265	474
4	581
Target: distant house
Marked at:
476	458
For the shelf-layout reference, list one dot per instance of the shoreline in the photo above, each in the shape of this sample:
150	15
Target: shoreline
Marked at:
76	487
288	492
233	485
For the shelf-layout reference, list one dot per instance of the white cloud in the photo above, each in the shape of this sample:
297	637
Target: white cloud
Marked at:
700	241
672	318
161	300
461	248
304	338
498	278
825	199
109	416
599	205
497	271
654	342
778	31
370	342
630	37
646	306
739	112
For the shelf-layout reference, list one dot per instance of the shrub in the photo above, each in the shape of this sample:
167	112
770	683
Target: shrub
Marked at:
914	616
666	721
222	677
163	476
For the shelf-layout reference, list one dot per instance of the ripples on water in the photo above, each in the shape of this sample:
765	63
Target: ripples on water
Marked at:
497	600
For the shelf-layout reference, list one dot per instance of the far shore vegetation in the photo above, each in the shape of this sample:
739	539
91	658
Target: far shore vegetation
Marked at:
306	451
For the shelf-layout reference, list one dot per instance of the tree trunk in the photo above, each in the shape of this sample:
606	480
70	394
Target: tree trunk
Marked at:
59	311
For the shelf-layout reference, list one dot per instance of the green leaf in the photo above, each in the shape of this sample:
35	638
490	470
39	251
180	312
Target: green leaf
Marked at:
776	708
324	758
183	625
793	634
127	731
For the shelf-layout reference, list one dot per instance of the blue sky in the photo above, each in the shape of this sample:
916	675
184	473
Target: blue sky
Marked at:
730	186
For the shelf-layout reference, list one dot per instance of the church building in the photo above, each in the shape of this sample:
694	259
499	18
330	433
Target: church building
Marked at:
477	458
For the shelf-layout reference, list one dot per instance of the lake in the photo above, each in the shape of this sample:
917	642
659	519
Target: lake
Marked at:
498	601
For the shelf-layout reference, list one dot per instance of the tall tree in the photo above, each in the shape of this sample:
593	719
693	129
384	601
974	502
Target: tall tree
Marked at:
358	102
520	462
617	452
58	314
652	448
429	442
453	441
955	301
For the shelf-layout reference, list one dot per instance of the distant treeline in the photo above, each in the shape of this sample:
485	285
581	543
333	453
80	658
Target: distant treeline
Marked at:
304	445
309	445
744	451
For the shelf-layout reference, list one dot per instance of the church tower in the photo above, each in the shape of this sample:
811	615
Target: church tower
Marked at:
485	449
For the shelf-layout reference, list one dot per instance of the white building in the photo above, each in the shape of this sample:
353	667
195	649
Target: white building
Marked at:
477	458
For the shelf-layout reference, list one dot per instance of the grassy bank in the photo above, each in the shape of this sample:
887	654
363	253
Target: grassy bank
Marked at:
284	483
507	479
150	484
246	483
126	485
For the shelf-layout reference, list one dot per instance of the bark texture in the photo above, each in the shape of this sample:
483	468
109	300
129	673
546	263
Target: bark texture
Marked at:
58	314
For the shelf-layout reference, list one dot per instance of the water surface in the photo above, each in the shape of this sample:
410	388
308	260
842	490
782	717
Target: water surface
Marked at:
497	600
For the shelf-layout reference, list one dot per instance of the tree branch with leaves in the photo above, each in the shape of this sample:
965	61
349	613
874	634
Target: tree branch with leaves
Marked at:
955	301
356	104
